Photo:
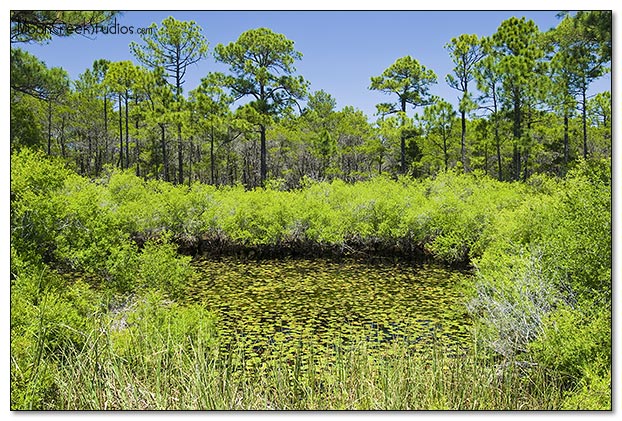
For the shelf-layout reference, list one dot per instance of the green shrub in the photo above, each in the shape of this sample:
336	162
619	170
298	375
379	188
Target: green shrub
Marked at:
86	229
49	320
577	242
36	173
575	342
153	323
122	264
35	179
592	393
161	268
575	347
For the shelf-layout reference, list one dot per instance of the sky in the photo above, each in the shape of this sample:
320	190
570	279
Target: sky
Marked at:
341	50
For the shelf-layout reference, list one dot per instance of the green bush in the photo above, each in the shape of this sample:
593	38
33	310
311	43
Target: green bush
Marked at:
35	179
575	347
49	320
548	261
86	230
577	242
161	268
121	265
575	342
35	173
153	324
593	393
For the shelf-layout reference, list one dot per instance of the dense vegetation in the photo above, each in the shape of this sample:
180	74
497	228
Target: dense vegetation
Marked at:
541	249
118	179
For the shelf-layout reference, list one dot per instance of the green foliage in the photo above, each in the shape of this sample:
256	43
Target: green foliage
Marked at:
30	76
411	82
173	46
160	268
541	251
575	342
85	230
262	64
575	348
579	245
596	25
49	318
121	266
567	231
449	216
154	324
437	124
34	181
408	79
548	261
26	130
465	51
33	173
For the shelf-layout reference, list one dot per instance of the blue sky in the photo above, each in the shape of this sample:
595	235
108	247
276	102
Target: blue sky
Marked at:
341	49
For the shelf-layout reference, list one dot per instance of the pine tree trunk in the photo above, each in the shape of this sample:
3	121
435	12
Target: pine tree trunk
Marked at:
566	149
120	133
127	132
211	156
104	154
136	144
497	138
49	126
584	116
180	159
403	152
516	158
403	139
164	158
463	141
190	156
263	156
445	152
61	138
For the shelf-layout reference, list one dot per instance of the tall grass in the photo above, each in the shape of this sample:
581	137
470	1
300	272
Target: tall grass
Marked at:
154	354
164	364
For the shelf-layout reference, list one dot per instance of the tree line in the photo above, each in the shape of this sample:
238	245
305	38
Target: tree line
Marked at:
525	107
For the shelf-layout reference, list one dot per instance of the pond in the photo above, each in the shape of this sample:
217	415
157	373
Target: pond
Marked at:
326	302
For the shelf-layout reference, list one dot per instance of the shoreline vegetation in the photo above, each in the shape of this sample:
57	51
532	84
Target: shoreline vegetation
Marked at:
120	337
367	251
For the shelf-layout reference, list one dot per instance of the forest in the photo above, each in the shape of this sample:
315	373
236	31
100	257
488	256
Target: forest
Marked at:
149	221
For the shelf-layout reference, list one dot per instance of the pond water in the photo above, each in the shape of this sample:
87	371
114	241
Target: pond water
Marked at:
325	302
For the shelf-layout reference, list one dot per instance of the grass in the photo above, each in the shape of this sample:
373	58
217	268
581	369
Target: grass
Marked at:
158	372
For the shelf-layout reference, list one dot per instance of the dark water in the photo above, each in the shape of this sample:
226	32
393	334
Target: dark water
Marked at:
328	303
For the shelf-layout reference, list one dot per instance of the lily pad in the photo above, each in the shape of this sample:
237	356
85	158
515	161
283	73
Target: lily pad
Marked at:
294	302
